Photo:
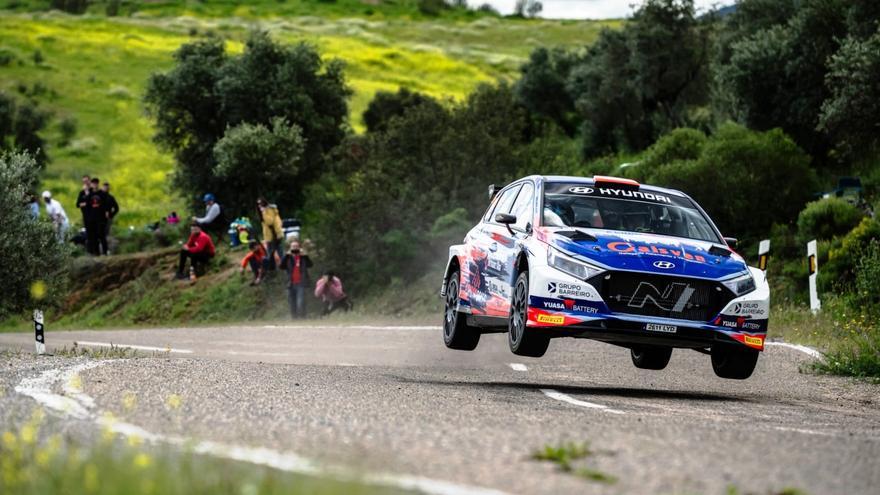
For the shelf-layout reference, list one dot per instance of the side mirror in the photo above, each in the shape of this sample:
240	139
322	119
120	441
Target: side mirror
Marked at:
731	242
505	218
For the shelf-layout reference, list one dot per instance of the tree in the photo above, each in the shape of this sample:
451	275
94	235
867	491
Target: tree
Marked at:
541	87
209	91
386	105
527	8
851	114
20	127
268	157
33	260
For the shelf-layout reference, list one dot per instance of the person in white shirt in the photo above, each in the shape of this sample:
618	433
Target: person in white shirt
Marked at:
212	221
58	216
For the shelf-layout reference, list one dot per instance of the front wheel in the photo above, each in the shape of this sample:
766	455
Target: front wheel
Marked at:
728	361
524	341
457	334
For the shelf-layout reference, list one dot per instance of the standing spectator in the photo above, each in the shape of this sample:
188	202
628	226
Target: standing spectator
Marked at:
329	291
213	220
33	205
96	219
273	232
297	263
81	199
256	259
112	208
199	249
58	216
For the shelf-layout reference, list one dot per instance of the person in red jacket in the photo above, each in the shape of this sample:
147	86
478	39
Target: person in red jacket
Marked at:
256	258
199	249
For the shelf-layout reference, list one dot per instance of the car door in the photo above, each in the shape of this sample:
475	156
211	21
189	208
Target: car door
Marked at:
504	247
485	276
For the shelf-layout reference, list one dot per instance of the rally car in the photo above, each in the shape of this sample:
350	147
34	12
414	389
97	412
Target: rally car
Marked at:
607	259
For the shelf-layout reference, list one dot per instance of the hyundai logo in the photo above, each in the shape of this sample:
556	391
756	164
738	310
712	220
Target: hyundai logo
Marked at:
664	265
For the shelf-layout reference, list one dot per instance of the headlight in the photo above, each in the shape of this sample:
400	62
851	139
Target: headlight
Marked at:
741	285
571	266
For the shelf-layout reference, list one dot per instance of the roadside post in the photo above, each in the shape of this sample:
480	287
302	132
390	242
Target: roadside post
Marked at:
763	254
815	304
39	337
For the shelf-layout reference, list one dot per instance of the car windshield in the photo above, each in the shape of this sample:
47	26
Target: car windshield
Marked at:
628	210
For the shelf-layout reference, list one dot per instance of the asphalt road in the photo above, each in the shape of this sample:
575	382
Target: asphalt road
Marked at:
395	400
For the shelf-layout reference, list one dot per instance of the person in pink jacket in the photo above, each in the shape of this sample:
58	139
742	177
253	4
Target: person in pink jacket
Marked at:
329	290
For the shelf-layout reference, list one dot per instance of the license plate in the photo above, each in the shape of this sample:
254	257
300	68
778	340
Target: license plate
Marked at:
654	327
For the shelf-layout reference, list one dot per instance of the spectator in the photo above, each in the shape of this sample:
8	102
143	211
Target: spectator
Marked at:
273	232
213	219
297	263
199	249
256	259
96	219
33	205
112	208
172	218
329	291
82	198
58	216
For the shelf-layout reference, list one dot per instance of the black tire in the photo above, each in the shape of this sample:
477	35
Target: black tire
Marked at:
650	357
524	341
728	361
457	334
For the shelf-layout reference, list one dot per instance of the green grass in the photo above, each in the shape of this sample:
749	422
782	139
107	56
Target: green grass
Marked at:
95	68
850	339
565	455
31	462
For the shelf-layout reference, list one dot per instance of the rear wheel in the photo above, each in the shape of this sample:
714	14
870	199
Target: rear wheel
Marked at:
732	362
457	334
650	357
524	341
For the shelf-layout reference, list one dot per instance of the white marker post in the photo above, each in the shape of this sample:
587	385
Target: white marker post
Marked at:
39	337
815	304
763	254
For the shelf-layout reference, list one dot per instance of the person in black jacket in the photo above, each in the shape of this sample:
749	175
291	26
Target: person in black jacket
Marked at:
96	219
112	208
81	198
297	263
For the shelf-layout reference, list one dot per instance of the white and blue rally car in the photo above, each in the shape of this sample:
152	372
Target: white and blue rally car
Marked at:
606	259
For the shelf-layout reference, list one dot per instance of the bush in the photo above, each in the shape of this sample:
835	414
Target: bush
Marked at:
67	127
827	218
681	144
867	281
432	7
838	273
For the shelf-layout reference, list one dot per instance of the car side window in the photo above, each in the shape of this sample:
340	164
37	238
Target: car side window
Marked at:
504	202
523	206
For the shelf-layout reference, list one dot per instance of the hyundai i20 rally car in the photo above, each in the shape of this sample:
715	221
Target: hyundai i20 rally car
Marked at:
607	259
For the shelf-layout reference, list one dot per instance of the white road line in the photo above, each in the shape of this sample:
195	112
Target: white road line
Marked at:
802	348
354	327
553	394
518	367
138	347
78	405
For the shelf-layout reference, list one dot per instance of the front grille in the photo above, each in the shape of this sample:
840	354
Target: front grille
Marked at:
660	295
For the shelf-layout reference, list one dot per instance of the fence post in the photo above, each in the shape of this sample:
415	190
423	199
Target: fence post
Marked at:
763	254
815	303
39	336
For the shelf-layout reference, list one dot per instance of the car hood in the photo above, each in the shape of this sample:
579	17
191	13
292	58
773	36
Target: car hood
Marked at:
649	253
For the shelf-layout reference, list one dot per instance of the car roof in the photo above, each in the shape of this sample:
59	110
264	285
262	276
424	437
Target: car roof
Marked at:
590	181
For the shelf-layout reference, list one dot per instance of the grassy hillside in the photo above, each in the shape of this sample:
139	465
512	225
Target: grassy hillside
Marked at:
94	68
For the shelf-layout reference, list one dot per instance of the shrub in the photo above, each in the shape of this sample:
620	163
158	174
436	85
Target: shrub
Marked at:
681	144
838	273
868	278
827	218
432	7
67	127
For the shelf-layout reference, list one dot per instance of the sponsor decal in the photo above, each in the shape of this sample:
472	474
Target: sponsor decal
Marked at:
564	289
756	341
647	292
636	247
749	309
751	325
664	265
620	193
581	190
568	305
552	319
728	323
655	327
